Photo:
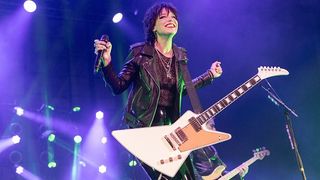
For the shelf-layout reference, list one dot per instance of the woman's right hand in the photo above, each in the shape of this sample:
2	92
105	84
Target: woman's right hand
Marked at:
106	48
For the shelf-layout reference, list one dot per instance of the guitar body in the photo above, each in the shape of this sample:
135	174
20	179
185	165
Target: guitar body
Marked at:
151	144
259	154
215	174
165	148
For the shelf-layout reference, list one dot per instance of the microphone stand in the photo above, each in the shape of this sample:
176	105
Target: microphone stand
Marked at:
289	129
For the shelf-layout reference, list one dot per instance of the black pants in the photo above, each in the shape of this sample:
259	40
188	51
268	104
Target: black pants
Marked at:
184	173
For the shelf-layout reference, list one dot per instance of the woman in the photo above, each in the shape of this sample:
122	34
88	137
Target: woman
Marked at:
153	71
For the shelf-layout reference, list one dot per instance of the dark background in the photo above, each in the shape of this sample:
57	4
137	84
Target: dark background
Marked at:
47	58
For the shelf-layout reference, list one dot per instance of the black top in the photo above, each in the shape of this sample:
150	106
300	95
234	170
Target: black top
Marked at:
167	80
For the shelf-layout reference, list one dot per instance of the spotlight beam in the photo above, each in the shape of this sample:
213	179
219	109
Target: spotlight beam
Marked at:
6	143
26	174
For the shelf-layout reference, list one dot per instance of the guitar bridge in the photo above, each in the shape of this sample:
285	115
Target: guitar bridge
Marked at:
170	159
169	142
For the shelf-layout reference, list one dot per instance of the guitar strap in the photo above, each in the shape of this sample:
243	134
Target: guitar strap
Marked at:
218	167
194	98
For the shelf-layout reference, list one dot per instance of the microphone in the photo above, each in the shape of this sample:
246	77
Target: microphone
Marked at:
97	62
270	97
278	102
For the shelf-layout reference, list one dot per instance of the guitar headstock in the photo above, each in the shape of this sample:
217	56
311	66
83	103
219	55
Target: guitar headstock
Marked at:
260	153
265	72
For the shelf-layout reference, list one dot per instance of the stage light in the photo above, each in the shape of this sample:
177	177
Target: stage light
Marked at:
102	169
104	140
51	137
15	157
19	111
50	107
52	164
25	174
30	6
82	163
136	12
117	17
15	139
19	170
77	139
15	128
99	115
132	163
76	109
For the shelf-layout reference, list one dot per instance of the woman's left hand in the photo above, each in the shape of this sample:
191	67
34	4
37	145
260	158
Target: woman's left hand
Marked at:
216	69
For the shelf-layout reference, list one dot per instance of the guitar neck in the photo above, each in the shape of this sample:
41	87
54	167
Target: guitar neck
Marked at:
235	171
226	101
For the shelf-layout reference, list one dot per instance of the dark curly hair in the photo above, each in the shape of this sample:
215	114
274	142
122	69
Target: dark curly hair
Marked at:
151	16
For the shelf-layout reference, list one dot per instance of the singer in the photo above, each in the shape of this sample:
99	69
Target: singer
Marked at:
153	71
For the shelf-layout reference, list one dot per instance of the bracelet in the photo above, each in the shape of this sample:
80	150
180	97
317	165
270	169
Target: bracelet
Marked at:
210	74
103	62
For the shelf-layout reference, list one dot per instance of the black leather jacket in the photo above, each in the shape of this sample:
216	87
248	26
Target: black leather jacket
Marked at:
139	71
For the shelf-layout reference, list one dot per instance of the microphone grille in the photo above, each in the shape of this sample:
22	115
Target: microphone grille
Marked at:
104	38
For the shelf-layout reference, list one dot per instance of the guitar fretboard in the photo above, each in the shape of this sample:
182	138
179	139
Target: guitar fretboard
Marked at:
224	102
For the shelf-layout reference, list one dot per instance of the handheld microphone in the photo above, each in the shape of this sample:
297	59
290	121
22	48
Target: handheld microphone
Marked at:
97	63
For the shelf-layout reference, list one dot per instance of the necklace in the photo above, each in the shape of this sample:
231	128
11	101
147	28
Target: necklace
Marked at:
166	64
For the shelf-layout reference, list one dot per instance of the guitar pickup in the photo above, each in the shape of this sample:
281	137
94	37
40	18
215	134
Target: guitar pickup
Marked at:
195	124
181	135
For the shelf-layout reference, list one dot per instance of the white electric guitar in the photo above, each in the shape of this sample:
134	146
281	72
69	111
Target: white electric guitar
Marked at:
258	154
165	148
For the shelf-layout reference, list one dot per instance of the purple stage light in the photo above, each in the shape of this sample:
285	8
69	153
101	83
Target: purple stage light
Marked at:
25	173
99	115
136	12
77	139
19	111
15	139
30	6
102	169
98	153
104	140
19	170
82	163
117	18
